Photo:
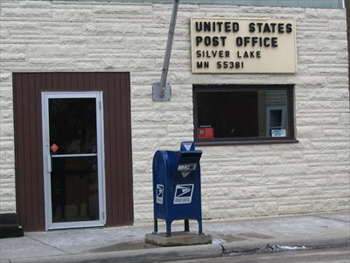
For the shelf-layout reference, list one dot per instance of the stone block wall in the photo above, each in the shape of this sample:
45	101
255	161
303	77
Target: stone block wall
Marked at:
237	181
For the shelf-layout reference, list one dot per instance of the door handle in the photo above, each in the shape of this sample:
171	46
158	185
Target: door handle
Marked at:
49	165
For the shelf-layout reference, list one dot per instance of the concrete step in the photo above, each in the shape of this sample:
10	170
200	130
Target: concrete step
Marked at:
9	226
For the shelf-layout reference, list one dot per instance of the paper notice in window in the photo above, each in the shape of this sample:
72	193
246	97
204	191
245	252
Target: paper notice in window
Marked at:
278	133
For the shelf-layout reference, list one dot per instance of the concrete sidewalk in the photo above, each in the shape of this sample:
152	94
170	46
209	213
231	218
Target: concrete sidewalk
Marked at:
126	244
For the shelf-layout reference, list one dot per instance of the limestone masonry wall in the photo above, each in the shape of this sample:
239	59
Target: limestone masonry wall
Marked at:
237	181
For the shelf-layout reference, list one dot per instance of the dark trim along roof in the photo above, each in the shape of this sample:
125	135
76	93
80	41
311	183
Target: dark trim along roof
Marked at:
333	4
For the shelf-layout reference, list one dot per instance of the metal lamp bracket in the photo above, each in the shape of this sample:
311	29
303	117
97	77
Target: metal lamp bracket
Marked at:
161	94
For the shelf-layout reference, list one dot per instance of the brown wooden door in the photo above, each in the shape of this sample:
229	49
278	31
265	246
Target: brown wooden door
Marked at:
29	165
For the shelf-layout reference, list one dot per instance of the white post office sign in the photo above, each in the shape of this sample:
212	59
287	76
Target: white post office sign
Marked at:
252	45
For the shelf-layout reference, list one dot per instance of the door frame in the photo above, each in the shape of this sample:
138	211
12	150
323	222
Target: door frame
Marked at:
45	96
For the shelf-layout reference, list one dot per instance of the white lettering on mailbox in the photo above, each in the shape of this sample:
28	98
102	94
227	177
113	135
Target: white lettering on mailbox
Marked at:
183	194
186	168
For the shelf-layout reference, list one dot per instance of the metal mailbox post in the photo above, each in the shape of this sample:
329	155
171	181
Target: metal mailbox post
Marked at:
177	187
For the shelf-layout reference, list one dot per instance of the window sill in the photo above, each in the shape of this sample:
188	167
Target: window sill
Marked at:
243	142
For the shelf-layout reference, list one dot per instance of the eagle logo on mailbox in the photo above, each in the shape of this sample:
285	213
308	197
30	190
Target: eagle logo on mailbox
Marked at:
160	194
183	194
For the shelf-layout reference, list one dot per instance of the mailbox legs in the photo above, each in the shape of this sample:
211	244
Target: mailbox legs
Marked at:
168	228
155	225
187	225
200	230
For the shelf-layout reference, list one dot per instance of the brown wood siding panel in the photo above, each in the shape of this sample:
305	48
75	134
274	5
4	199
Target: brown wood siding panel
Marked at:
114	160
127	161
19	155
36	149
108	115
29	183
119	191
26	144
127	169
119	181
30	135
123	144
27	88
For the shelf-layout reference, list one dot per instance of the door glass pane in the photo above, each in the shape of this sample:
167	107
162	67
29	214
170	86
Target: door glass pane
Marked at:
74	166
74	189
73	125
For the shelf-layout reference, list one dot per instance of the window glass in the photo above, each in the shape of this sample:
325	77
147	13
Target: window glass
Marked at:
233	113
73	125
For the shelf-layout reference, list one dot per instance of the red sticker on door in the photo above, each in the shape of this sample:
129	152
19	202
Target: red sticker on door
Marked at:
54	147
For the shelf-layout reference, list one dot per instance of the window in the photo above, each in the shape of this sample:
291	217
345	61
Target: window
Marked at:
243	114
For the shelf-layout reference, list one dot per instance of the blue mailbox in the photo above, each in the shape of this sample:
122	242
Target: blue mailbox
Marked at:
177	187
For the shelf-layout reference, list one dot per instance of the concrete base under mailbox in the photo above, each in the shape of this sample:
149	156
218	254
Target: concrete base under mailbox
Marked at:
178	239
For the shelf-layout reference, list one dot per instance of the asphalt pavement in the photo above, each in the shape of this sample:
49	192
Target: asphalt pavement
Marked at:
127	244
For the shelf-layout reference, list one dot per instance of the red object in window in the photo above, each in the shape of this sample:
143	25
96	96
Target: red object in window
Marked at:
205	133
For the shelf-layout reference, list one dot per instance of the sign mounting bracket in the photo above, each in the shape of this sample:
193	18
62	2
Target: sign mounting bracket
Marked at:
162	90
